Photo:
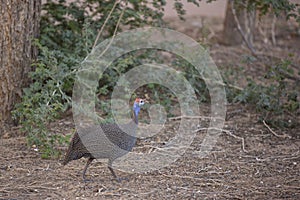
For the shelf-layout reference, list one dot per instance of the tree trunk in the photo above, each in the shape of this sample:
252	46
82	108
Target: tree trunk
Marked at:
239	24
19	21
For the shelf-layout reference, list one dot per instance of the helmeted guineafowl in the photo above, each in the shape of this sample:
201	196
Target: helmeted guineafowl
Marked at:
114	143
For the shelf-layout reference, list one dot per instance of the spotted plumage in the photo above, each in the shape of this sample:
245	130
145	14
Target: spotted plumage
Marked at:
110	144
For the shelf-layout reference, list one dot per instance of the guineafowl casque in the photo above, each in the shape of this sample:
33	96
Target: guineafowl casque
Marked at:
114	143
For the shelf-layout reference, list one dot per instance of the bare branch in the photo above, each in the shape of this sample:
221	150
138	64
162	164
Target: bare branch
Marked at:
273	29
195	117
105	22
240	29
274	133
228	133
189	117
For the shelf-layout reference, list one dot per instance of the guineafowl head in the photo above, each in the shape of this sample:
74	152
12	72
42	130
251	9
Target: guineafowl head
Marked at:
137	106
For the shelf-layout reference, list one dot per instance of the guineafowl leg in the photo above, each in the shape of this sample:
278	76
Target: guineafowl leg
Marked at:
85	168
112	170
115	176
113	173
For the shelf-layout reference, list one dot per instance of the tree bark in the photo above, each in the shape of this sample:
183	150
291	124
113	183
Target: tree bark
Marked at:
19	21
239	24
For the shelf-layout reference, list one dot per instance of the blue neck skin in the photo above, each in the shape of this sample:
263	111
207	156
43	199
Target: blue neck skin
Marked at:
136	110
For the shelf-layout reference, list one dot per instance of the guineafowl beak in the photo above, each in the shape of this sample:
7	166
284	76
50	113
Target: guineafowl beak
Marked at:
143	101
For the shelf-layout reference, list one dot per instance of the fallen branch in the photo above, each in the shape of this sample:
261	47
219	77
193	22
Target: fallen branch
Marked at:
202	180
237	137
189	117
195	117
229	115
228	133
274	133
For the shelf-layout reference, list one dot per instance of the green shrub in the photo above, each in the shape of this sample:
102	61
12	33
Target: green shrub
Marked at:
275	99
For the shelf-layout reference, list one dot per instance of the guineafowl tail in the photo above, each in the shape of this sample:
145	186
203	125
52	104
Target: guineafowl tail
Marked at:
76	150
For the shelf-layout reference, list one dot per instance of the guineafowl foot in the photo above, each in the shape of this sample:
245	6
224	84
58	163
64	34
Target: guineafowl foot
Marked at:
85	180
85	168
119	179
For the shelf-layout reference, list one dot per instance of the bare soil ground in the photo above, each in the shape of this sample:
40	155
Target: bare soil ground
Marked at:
267	168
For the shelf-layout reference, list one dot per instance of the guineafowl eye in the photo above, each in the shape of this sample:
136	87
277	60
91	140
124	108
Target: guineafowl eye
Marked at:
141	102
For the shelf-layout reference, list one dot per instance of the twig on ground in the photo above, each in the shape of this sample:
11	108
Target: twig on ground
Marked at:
292	158
189	117
228	133
274	133
194	117
237	137
230	115
217	181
